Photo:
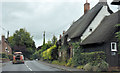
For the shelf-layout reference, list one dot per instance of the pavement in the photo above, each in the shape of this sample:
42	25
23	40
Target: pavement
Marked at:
64	68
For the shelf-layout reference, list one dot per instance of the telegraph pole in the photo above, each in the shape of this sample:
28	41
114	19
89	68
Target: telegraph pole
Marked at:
7	41
44	38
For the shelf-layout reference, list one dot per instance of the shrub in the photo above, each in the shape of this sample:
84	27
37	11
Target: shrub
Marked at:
4	56
93	57
70	62
55	62
88	67
37	55
103	66
77	58
10	56
80	67
47	54
63	63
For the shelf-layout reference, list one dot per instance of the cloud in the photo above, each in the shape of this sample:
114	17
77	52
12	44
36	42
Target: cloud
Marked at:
52	16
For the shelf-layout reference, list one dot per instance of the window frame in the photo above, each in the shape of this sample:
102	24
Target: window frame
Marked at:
115	46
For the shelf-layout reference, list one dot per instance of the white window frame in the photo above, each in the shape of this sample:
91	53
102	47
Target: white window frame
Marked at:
6	49
115	47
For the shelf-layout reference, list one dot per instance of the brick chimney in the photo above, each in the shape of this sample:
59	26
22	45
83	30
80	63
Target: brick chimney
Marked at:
3	41
86	7
102	0
60	36
63	32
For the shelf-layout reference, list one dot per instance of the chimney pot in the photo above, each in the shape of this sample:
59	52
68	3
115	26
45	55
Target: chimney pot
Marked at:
102	0
63	32
60	36
86	7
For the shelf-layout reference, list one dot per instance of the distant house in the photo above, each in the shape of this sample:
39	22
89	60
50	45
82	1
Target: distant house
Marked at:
95	31
4	46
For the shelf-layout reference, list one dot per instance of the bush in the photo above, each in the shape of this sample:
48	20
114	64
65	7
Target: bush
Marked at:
88	67
37	55
55	62
47	54
102	66
94	58
10	56
70	62
63	63
4	56
77	54
80	67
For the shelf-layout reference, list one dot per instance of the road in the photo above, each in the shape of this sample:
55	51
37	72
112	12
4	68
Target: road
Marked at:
28	66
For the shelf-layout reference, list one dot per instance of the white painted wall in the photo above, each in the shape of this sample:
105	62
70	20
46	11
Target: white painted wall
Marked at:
103	12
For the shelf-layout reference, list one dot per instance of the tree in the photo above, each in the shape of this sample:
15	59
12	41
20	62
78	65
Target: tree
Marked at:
11	41
54	40
22	38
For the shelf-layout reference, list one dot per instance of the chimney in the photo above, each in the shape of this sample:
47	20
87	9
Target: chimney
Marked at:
86	7
102	0
3	42
60	36
3	38
63	32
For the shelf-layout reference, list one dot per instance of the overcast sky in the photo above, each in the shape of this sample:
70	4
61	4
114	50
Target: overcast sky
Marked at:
36	16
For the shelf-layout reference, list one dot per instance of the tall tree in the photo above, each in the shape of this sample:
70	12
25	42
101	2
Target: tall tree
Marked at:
23	42
54	39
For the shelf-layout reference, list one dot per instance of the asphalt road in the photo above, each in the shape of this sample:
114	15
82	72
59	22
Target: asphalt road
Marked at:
28	66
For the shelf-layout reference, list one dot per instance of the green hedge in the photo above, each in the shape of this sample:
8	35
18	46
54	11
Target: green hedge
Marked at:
47	54
93	57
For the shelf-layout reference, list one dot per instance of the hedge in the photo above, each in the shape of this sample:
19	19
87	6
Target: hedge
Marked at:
92	57
47	54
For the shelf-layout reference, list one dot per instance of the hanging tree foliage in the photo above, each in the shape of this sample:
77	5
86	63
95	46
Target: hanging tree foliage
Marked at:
22	38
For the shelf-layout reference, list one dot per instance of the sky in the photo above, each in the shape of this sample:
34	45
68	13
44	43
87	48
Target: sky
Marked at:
37	16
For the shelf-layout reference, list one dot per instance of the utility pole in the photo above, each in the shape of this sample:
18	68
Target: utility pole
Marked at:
44	38
7	42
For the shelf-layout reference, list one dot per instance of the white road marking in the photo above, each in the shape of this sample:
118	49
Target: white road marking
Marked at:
28	67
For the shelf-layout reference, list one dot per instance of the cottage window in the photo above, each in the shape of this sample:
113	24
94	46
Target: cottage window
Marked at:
6	49
113	46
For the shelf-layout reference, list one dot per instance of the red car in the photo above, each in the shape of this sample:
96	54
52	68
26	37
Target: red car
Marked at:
18	58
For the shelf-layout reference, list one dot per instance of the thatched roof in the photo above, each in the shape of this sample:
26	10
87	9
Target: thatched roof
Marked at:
116	2
78	27
105	30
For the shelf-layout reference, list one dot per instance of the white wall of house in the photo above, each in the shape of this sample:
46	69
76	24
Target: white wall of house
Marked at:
95	23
